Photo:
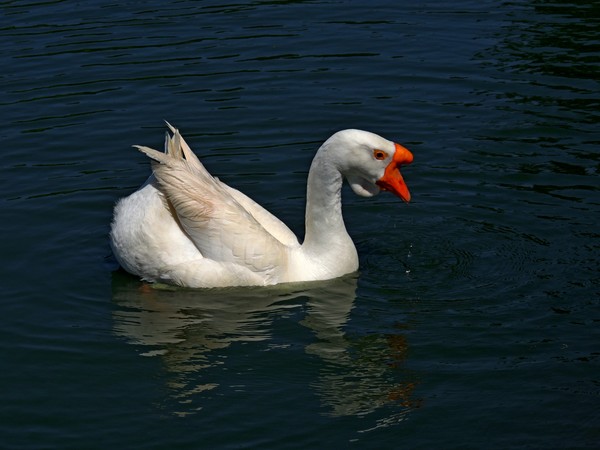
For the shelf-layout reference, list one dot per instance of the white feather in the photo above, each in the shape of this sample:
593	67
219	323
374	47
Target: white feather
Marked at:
186	227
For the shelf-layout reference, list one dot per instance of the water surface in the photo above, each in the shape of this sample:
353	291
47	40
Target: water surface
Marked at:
473	322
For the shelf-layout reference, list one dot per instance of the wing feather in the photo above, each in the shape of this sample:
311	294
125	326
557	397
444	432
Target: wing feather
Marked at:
224	224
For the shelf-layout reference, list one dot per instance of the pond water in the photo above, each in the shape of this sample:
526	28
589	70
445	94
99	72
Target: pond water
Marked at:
473	321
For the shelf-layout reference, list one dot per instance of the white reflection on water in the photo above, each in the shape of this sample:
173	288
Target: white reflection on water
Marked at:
188	329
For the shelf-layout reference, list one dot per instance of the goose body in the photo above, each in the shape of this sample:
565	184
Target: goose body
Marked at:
185	227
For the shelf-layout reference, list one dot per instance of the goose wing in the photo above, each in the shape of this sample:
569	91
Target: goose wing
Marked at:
224	224
176	145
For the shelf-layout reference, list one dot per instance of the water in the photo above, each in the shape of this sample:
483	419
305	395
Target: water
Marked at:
473	322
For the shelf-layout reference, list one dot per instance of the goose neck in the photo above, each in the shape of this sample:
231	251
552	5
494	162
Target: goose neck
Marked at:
324	220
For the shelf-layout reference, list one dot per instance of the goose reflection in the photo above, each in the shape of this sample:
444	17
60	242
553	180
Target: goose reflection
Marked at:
187	330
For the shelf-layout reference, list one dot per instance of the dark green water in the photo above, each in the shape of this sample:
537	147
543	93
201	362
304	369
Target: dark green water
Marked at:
473	322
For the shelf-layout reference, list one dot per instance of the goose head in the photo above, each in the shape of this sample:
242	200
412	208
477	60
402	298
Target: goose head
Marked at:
369	162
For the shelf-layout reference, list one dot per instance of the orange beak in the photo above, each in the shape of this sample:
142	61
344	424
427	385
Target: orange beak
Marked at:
392	179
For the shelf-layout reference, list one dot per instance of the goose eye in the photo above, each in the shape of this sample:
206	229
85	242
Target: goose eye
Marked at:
379	154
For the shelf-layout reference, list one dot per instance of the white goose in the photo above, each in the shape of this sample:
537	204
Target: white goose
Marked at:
185	227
